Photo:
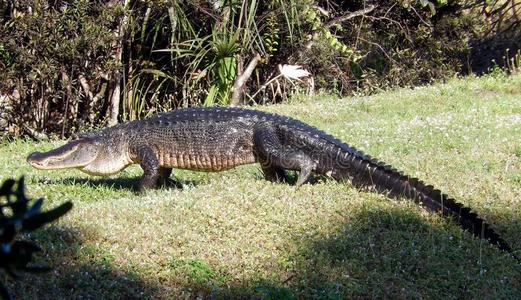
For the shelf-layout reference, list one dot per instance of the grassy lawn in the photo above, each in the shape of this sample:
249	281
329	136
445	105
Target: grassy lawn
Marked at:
233	234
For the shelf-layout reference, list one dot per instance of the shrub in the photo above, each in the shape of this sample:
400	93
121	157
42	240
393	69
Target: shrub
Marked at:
76	64
47	50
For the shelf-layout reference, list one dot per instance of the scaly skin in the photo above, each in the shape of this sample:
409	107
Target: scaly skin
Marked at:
216	139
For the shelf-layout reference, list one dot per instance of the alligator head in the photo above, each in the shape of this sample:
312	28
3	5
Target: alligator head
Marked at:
91	155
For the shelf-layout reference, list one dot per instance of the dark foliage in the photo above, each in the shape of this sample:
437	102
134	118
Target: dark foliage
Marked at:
18	215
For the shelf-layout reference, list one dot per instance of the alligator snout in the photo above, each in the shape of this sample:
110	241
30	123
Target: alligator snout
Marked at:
34	159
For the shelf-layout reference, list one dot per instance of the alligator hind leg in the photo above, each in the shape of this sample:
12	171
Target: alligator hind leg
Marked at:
274	156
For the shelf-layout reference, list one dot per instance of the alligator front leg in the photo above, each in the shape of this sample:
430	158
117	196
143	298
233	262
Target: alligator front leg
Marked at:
150	165
273	156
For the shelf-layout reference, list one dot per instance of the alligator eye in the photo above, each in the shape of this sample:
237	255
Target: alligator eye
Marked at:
74	148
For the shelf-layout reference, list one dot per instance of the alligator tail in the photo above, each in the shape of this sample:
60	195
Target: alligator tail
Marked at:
366	171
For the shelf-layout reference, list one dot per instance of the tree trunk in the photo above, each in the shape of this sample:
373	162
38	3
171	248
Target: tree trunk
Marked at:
238	86
68	87
115	98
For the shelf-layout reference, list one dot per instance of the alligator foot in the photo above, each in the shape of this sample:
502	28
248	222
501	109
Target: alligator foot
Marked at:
169	183
274	174
164	180
305	174
145	184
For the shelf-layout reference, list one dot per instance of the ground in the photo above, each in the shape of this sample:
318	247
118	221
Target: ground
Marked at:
233	234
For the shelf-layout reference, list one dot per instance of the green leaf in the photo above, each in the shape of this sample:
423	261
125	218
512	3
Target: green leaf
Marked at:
431	6
35	208
8	233
155	72
21	187
212	94
38	220
19	207
7	187
21	254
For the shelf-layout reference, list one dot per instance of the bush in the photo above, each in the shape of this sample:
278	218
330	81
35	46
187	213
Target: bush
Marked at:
76	64
46	50
401	43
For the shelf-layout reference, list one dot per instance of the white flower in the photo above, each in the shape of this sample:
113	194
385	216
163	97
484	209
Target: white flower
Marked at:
293	71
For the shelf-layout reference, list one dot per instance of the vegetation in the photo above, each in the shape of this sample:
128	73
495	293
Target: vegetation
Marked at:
16	216
67	66
235	234
75	65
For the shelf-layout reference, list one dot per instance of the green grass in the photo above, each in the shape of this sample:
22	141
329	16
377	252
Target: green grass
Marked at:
232	234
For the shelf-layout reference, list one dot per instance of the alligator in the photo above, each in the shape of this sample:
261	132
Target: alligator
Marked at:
217	139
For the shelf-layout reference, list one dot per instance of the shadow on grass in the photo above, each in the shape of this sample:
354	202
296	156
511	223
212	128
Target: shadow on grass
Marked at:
397	254
118	183
75	274
388	254
292	177
377	253
132	183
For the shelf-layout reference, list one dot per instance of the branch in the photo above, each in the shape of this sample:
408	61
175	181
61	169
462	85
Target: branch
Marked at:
381	49
114	99
241	80
96	99
315	35
86	87
349	15
120	32
68	87
40	136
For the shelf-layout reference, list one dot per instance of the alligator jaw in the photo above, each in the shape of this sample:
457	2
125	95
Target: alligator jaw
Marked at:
75	154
